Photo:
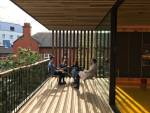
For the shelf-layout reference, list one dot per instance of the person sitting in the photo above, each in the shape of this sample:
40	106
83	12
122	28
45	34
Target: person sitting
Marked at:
91	72
54	71
63	68
75	75
51	67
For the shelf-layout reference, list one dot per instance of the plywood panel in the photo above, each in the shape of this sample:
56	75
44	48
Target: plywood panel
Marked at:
55	14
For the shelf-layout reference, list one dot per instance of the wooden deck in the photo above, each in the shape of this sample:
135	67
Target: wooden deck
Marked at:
92	97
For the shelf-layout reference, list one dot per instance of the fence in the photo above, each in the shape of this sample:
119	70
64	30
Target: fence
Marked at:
82	46
17	85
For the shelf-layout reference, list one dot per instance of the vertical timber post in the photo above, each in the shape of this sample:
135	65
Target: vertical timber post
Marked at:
113	56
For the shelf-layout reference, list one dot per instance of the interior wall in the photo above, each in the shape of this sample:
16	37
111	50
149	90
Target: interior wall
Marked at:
131	46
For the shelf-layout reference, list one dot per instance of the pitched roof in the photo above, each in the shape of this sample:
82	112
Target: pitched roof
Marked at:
5	50
44	39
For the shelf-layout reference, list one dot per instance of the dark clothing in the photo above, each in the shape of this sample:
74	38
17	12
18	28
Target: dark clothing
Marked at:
75	75
75	71
53	71
64	66
62	77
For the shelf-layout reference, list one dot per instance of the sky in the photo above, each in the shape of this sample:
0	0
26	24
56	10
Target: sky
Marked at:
9	12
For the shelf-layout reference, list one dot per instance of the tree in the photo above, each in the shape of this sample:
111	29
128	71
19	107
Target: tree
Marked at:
24	57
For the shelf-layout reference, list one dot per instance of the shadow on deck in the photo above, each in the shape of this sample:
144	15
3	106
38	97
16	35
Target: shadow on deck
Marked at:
92	97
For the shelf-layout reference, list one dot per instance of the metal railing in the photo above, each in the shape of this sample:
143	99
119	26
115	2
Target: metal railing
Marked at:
17	85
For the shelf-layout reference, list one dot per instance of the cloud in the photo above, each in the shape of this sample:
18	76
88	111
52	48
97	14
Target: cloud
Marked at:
12	13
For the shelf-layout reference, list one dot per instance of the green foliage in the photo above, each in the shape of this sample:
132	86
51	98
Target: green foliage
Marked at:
24	57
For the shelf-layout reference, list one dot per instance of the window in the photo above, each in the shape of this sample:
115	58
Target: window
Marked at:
11	36
46	56
12	28
3	36
6	43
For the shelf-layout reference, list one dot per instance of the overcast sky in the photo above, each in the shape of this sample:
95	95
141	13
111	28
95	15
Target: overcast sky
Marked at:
9	12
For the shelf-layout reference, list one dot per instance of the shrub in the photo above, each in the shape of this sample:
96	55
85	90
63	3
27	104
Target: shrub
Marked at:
24	57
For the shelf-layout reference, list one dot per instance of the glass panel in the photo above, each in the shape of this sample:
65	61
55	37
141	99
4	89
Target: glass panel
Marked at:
133	80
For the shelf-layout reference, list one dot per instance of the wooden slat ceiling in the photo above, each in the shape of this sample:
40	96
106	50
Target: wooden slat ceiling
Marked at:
67	14
134	13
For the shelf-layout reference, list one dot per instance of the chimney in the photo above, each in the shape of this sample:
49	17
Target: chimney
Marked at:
27	30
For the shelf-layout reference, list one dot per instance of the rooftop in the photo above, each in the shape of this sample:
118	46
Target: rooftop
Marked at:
5	50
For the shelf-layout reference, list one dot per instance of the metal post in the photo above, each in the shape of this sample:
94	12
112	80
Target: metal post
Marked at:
56	47
113	65
70	48
87	50
84	48
92	33
100	52
81	48
103	47
60	45
77	45
113	56
67	50
74	46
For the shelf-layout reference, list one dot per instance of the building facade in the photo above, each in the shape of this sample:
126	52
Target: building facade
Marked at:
43	44
5	52
26	41
9	32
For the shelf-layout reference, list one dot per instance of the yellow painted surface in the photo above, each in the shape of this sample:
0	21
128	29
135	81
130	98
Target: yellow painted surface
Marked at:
127	104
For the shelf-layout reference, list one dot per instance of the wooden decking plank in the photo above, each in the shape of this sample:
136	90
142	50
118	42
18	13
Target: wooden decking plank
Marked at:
87	105
69	101
105	91
58	94
52	98
42	99
81	100
106	82
66	100
91	96
75	104
104	95
100	97
48	101
33	100
63	99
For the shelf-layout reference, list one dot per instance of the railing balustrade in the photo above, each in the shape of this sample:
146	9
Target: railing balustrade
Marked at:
17	85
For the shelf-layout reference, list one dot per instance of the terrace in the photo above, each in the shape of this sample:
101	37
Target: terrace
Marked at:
80	30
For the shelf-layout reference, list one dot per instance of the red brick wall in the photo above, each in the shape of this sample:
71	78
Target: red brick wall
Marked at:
28	43
43	50
3	56
26	40
58	54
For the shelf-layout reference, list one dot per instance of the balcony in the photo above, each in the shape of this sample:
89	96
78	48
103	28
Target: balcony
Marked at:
92	97
75	37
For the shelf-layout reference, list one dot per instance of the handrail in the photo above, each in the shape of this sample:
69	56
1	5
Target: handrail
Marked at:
2	74
17	84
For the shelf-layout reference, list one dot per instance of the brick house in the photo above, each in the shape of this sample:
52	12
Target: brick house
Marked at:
26	41
4	52
49	46
45	45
